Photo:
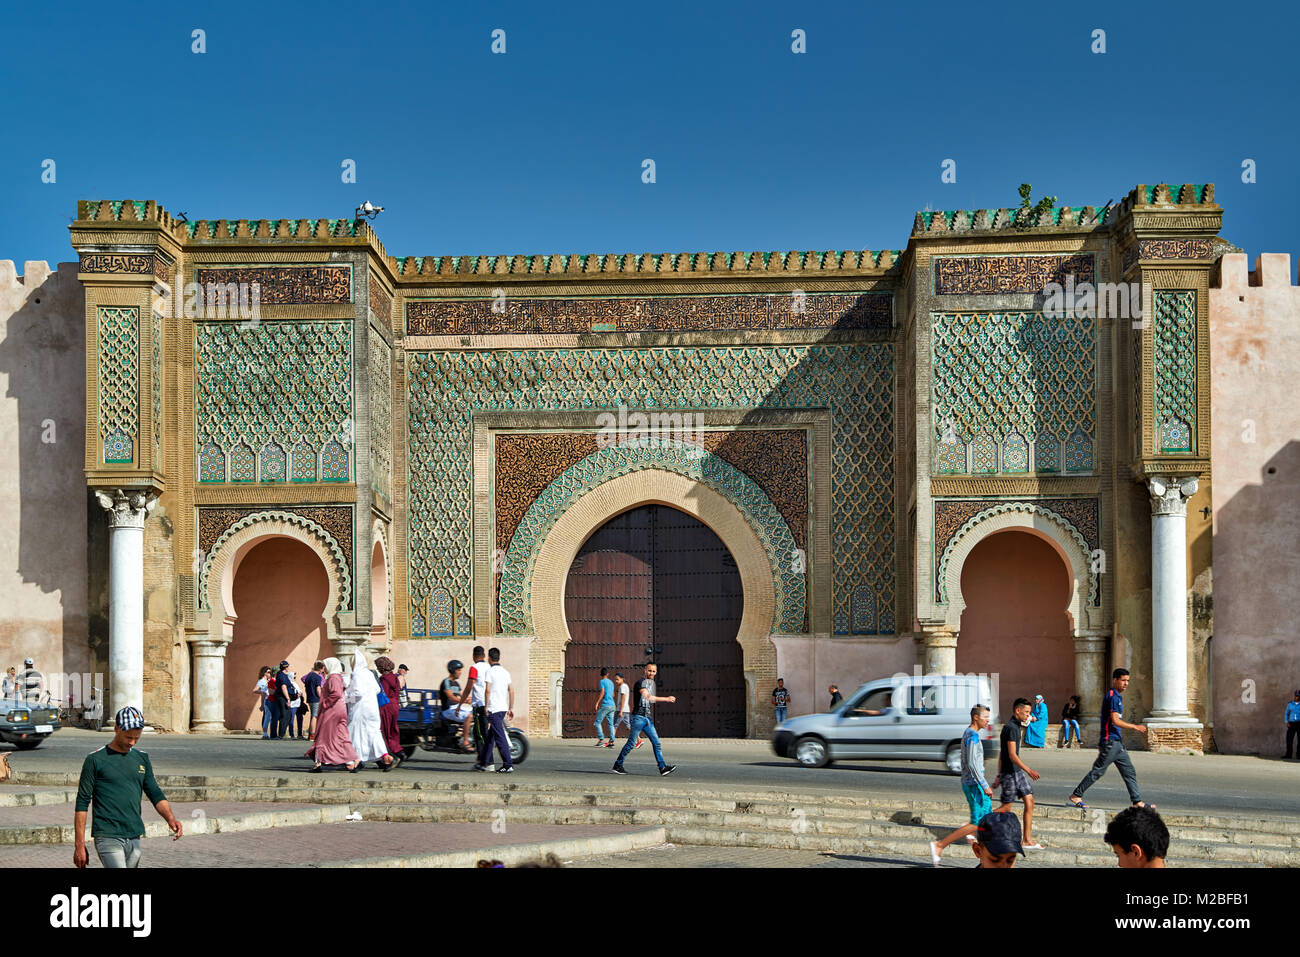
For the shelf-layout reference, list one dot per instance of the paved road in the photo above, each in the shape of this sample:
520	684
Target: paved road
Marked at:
1227	783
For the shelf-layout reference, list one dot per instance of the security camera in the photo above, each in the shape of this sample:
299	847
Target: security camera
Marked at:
368	210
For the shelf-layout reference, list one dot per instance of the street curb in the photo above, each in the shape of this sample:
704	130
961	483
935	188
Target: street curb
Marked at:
514	854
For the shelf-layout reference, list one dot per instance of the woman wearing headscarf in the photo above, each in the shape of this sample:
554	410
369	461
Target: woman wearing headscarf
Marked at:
333	745
363	715
1036	731
391	685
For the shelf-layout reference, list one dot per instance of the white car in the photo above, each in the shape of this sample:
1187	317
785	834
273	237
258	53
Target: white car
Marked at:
907	717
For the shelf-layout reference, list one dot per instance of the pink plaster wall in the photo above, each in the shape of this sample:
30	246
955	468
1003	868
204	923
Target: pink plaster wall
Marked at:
1017	587
279	595
1254	368
808	664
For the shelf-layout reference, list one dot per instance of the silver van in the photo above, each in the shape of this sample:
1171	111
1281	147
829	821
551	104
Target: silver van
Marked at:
908	717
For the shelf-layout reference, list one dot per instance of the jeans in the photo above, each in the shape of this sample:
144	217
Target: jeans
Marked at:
642	723
497	730
118	851
1071	725
1292	730
268	718
1106	755
601	715
624	720
780	713
298	715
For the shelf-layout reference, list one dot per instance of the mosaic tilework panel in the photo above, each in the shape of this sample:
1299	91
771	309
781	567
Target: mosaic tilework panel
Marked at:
119	381
526	463
601	466
381	303
381	413
284	382
1174	336
1081	515
872	312
274	463
156	377
1008	378
1168	249
287	285
243	464
336	520
991	275
853	381
775	459
951	514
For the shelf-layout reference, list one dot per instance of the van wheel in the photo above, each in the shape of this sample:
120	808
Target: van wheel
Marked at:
953	758
812	752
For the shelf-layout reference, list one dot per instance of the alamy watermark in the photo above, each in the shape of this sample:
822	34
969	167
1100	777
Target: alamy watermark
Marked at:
650	430
213	300
1103	300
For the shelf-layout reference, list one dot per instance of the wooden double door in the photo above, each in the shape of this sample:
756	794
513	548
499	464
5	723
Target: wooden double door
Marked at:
656	584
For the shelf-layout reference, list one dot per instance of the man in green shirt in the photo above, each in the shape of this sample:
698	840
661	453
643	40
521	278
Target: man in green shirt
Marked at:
114	779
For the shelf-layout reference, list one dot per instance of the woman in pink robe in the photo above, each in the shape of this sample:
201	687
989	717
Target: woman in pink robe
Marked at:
333	744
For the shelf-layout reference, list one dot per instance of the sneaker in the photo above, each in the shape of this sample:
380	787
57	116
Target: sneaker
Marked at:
619	769
601	743
484	767
507	770
667	769
639	742
610	745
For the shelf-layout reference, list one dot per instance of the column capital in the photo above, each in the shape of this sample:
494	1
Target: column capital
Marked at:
127	508
208	646
1169	493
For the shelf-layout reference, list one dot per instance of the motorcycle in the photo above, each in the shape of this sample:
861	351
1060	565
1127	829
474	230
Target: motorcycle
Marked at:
422	727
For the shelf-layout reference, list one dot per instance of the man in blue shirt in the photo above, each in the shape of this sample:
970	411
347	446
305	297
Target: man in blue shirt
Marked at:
979	796
605	709
1110	747
1292	718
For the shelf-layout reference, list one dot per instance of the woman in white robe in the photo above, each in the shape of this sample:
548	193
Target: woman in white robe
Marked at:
363	715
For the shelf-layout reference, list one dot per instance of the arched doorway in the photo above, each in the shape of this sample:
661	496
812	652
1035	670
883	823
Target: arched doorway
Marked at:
656	582
1016	624
279	595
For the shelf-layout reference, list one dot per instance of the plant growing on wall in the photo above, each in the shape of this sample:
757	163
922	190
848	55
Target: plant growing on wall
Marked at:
1030	214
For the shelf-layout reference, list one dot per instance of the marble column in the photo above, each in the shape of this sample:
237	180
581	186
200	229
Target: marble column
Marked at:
1169	495
209	655
940	644
127	510
1091	678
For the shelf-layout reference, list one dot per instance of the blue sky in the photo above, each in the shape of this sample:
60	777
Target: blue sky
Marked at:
540	150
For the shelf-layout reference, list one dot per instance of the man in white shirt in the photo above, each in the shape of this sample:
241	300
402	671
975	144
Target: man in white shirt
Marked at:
500	696
473	693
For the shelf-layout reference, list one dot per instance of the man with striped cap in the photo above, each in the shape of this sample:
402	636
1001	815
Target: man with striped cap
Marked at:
114	779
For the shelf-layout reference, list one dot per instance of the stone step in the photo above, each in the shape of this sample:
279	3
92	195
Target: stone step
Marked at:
33	797
252	820
346	789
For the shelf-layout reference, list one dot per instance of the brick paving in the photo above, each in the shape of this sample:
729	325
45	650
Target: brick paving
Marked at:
316	845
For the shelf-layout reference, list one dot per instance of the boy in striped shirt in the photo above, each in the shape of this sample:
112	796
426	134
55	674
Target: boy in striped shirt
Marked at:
979	796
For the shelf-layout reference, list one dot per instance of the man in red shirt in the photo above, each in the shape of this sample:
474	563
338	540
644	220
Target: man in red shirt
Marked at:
473	693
